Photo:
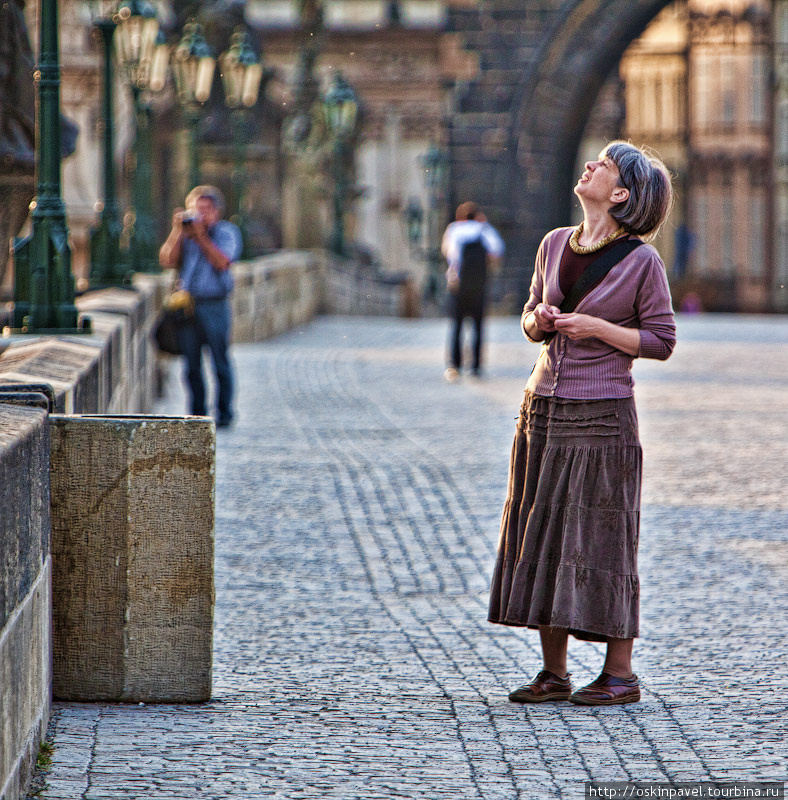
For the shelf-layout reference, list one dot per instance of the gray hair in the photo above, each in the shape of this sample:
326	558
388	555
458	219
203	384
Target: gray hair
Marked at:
211	193
650	191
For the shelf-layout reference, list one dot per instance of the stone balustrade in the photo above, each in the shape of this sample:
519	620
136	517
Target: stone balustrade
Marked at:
112	370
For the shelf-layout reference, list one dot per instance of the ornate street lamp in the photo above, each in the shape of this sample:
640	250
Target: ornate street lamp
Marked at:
341	111
43	283
435	165
143	55
241	72
107	264
193	65
413	216
341	108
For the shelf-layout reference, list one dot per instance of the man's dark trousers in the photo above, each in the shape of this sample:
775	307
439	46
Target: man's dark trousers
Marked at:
459	310
211	327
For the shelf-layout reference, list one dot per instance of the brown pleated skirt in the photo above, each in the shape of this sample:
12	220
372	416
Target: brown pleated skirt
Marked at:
567	555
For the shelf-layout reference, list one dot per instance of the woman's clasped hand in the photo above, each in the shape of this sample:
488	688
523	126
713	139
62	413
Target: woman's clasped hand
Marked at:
576	326
545	316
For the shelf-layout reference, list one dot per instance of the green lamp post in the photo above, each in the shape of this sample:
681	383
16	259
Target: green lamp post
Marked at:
107	264
341	111
435	163
413	217
43	283
241	72
193	66
143	55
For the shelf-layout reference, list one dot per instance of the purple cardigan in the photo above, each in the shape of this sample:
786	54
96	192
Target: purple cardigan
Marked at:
634	294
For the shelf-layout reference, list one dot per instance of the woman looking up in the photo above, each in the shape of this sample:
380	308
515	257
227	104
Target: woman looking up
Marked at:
567	558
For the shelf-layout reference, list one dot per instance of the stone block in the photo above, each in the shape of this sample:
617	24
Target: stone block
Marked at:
25	597
132	550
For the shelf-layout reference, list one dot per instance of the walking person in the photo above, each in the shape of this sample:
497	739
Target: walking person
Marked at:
202	247
567	558
469	243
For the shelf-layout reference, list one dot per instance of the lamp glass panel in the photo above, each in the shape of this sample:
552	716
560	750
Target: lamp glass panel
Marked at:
251	85
333	117
348	112
158	72
124	41
442	171
431	177
232	78
119	40
204	78
185	71
150	29
134	25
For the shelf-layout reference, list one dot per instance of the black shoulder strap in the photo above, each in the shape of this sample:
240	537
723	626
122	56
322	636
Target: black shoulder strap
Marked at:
597	270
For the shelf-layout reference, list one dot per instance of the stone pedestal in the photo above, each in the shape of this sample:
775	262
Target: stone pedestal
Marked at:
132	553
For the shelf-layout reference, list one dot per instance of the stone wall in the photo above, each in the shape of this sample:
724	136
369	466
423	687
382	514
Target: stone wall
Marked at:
279	291
353	288
275	293
25	598
111	370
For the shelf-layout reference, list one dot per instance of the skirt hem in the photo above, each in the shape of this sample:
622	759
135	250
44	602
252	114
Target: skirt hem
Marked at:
578	633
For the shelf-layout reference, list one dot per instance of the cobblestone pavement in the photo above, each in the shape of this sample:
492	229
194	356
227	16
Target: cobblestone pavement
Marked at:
358	506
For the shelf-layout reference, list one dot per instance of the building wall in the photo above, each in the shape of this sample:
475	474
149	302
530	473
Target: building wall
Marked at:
400	73
683	97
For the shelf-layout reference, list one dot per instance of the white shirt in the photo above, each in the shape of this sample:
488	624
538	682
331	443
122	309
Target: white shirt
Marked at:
458	234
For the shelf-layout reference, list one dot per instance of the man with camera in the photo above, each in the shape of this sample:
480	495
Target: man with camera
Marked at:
202	246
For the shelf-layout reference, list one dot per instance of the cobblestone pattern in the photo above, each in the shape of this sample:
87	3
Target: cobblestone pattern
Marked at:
358	505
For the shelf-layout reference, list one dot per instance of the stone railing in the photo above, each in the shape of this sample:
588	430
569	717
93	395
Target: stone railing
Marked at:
353	288
111	370
275	293
25	592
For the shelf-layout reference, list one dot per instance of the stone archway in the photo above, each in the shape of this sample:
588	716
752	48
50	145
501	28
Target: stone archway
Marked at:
517	156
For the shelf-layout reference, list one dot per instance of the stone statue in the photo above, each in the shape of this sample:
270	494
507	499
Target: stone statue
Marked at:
17	94
17	124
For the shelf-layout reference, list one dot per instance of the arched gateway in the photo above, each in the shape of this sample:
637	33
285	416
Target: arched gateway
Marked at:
515	133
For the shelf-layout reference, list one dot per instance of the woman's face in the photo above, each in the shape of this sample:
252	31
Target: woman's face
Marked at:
600	182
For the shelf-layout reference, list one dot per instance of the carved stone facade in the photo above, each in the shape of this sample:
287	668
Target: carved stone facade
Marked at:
543	65
399	75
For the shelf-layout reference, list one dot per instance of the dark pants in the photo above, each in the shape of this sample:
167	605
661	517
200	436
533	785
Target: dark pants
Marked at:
458	311
211	327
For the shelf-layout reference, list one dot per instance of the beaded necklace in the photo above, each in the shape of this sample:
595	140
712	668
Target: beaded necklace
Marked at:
591	248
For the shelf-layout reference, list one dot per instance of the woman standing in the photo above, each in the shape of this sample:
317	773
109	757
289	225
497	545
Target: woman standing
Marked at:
567	558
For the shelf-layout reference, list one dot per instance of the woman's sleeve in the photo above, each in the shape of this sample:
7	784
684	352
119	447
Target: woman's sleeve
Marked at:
537	282
655	313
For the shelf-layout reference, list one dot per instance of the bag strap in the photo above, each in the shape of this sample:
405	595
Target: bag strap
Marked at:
597	270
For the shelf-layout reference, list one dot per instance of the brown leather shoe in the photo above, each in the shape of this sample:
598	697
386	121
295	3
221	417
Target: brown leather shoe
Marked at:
545	686
608	690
